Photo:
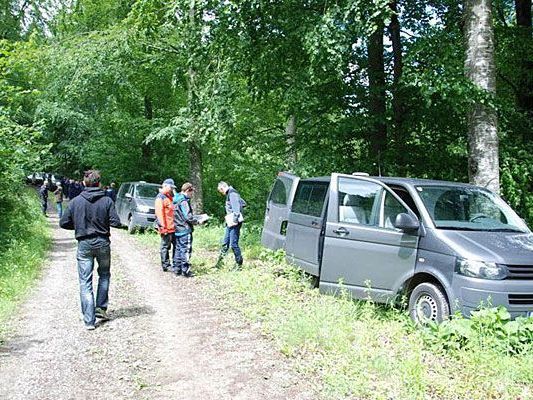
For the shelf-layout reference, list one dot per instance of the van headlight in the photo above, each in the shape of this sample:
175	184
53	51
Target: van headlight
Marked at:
480	269
143	208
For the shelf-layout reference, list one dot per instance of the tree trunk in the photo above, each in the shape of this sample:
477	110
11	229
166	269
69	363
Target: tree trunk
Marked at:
523	13
195	152
195	175
290	135
146	148
376	88
483	163
397	98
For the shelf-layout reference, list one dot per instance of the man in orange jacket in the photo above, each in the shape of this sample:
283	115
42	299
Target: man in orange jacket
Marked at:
164	211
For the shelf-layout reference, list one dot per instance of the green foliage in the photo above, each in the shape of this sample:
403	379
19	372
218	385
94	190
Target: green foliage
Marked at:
24	239
126	86
489	329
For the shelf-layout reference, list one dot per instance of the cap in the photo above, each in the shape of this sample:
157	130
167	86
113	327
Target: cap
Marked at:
187	186
170	182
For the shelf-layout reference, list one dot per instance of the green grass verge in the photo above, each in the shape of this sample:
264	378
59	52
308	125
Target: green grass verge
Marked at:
24	240
360	350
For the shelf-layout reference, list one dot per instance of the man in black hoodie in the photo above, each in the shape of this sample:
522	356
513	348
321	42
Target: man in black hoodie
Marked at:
90	215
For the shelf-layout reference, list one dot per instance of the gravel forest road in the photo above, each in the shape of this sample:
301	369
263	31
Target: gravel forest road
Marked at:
166	338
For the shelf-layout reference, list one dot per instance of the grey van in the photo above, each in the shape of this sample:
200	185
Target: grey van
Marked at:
446	246
135	204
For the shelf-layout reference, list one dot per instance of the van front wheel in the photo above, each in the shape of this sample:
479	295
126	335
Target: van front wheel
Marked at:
131	227
428	302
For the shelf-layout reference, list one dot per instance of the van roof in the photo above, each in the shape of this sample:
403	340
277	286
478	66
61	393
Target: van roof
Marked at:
391	180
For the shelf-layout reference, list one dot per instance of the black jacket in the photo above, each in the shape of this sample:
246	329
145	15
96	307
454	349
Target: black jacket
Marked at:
90	214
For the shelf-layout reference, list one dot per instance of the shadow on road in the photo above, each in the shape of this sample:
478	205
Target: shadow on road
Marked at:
131	312
18	345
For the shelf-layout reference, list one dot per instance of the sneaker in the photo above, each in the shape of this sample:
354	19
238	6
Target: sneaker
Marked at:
90	327
187	274
101	313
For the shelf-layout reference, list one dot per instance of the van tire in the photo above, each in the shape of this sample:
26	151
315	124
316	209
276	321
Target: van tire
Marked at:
131	227
428	302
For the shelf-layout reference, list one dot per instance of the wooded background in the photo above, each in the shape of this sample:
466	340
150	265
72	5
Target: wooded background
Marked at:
206	90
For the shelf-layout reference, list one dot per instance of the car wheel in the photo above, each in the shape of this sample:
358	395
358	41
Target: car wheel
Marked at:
428	302
131	227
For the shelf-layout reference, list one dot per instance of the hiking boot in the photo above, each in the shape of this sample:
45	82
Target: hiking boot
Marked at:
187	274
101	314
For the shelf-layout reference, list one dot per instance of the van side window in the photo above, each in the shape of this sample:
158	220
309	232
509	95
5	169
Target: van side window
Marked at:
406	197
358	201
391	208
309	198
123	190
280	191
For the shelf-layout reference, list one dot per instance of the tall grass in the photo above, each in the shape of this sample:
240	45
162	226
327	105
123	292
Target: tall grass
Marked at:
362	350
24	240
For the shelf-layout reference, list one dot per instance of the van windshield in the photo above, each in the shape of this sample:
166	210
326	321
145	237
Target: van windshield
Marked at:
469	208
147	191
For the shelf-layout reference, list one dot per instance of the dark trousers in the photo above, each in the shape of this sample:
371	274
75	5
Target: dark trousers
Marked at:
231	239
168	240
44	205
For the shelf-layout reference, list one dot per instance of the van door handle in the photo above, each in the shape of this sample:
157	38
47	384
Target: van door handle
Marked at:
341	231
314	223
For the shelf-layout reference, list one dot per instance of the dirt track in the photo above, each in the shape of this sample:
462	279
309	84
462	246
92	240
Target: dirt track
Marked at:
165	340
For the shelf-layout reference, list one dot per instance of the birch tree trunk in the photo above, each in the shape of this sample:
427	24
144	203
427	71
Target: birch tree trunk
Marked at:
290	134
483	163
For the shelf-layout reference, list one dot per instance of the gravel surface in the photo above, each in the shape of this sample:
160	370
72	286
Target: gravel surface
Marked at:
166	338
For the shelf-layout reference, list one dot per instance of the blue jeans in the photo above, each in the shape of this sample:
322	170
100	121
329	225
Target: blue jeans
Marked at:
183	253
87	253
231	239
59	207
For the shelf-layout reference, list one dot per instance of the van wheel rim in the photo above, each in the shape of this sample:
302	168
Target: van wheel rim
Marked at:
426	308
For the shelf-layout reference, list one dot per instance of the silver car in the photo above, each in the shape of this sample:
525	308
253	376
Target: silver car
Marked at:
445	246
135	204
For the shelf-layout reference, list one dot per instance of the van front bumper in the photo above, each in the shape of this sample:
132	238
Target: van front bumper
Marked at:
471	293
144	220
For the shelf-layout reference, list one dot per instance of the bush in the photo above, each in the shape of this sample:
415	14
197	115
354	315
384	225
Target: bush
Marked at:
488	328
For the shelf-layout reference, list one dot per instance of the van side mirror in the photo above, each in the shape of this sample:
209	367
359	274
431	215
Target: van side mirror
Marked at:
406	223
128	196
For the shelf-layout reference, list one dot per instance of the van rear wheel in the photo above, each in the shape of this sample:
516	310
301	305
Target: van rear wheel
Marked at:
428	302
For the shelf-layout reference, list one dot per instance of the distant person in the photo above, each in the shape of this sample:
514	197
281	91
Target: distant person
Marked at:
43	195
71	189
184	219
58	193
111	192
234	205
90	215
164	212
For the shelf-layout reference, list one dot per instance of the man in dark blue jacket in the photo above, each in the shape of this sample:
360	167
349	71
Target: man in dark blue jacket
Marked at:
234	207
90	215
